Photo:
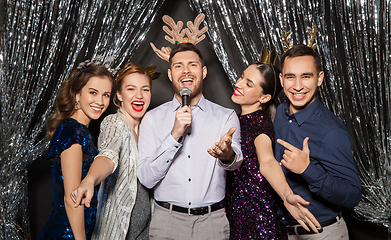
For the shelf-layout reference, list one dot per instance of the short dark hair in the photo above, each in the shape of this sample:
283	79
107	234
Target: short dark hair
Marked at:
300	50
183	47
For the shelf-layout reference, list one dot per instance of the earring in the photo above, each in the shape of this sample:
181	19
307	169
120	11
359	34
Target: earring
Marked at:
77	104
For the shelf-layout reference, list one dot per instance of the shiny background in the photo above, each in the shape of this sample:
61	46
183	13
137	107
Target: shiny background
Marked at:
42	41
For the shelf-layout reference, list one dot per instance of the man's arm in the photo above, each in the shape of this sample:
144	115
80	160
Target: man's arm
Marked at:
233	161
155	157
334	176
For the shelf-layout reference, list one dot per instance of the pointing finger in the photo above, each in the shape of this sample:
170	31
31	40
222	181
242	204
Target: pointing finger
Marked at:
286	145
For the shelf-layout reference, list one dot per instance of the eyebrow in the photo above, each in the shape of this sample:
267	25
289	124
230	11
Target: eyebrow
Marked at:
248	79
303	74
132	85
307	74
96	90
195	61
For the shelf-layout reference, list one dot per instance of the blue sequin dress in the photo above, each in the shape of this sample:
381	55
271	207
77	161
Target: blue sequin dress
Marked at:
70	131
251	201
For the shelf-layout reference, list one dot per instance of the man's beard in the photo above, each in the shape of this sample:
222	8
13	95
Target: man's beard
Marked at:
196	91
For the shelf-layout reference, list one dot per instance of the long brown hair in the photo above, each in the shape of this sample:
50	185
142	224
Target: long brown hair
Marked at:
271	85
129	68
66	96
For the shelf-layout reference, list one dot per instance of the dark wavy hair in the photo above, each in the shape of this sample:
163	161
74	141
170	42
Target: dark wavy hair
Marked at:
271	85
66	96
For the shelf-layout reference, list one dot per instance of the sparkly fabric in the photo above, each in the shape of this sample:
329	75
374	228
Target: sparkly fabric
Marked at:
251	201
124	208
70	131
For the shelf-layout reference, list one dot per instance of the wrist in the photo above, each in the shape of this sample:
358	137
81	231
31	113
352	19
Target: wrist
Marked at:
89	181
177	137
286	194
230	159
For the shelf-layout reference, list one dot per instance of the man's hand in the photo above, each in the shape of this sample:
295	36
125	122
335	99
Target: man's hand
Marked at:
296	207
295	159
182	121
223	149
163	53
83	194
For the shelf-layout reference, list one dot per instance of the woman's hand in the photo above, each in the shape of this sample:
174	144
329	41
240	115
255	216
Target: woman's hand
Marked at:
83	194
296	207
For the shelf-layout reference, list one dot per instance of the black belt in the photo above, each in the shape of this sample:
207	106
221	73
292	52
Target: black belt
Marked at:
192	211
301	231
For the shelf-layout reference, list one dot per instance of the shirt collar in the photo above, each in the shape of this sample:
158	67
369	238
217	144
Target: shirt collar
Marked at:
201	104
304	114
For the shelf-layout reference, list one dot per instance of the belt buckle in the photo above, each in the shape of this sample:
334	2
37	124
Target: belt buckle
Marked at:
198	211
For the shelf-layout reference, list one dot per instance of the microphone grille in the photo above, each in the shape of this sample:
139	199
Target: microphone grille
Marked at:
185	91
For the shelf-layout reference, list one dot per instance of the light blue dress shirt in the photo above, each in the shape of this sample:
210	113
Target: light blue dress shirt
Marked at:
184	174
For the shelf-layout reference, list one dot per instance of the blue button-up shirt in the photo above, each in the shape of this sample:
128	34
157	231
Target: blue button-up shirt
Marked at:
184	174
331	180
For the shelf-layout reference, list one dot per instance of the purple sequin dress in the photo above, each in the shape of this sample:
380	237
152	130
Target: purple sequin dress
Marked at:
251	201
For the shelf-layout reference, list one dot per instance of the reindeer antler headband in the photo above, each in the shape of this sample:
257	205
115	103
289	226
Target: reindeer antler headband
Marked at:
310	41
177	34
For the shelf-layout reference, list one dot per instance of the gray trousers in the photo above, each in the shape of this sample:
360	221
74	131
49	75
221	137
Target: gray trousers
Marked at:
336	231
167	224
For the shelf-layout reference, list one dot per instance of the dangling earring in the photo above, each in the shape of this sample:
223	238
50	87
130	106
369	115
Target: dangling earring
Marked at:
77	104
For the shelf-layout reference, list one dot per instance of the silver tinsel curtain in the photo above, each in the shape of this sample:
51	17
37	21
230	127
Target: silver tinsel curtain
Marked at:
41	42
354	42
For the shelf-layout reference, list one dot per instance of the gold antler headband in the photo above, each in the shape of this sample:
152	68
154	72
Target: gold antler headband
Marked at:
312	31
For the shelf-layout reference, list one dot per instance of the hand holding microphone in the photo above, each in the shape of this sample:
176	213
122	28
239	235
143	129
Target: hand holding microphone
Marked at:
183	115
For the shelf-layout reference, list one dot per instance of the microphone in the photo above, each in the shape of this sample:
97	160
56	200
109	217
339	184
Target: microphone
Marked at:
185	93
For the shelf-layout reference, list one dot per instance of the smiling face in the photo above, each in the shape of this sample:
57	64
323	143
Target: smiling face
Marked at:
94	98
248	91
300	79
135	96
187	70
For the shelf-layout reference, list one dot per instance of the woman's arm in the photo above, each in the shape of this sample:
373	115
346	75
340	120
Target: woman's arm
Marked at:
271	170
71	166
100	169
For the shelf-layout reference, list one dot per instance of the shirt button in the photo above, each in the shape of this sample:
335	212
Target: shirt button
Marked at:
168	161
189	203
188	134
188	156
189	179
290	121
